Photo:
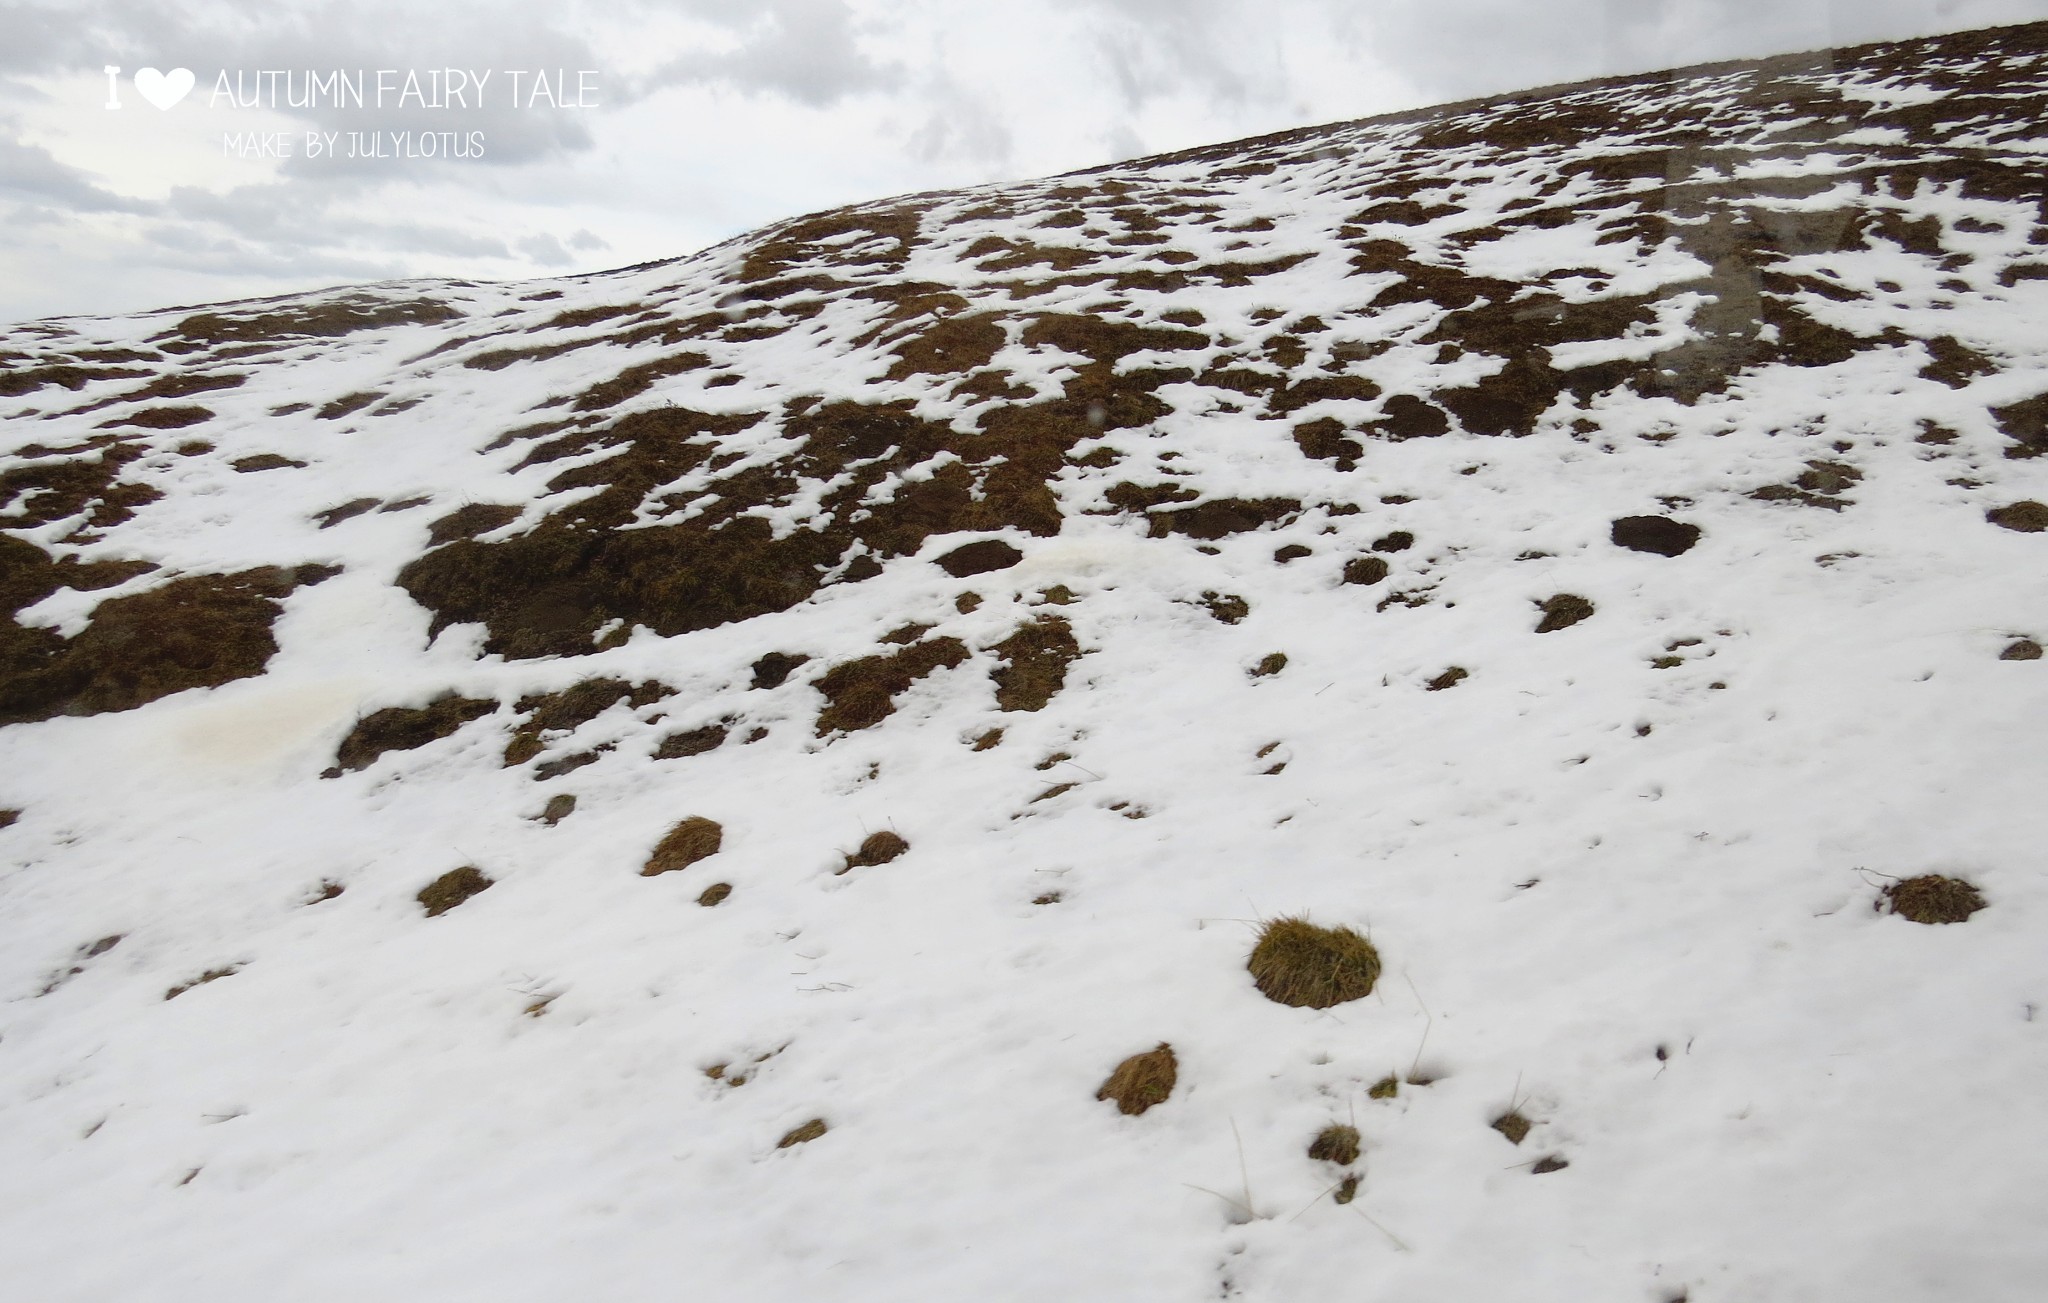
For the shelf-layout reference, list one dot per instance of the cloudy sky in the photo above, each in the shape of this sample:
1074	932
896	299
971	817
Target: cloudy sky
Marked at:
610	133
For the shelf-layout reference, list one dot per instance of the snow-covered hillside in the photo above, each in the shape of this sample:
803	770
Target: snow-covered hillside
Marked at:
685	783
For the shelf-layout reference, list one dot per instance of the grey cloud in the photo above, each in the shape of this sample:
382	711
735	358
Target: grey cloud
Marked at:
32	171
806	50
588	241
544	250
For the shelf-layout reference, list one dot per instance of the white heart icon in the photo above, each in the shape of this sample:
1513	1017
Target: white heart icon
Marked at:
164	89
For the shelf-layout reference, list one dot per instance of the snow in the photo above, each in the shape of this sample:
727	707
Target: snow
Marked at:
1635	903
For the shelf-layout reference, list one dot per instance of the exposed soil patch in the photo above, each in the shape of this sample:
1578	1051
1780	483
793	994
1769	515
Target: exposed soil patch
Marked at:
1450	678
1933	898
559	807
714	894
407	728
452	888
1512	1125
862	693
1659	534
333	516
1142	1081
73	482
2023	649
1298	963
1035	660
695	838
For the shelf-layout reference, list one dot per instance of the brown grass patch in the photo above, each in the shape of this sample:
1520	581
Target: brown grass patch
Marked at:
1365	570
695	838
469	520
407	728
210	975
862	693
1142	1080
451	889
1386	1087
714	894
691	742
1035	660
1270	664
1659	534
1226	608
2024	649
266	461
979	558
2026	517
328	320
773	670
1298	963
1335	1143
559	807
1562	611
196	632
1450	678
1512	1125
877	848
802	1135
1933	898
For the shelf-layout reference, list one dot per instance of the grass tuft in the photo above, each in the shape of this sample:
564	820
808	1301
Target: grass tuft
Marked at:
879	848
1298	963
1142	1080
1335	1143
451	889
1933	898
695	838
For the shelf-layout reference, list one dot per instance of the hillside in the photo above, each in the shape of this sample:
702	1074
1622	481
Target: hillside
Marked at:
687	782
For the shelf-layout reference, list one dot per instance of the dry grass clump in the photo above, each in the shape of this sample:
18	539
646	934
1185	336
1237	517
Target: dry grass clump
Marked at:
1933	898
1386	1087
1365	570
1450	678
559	807
695	838
1298	963
1512	1125
1562	612
714	894
773	669
451	889
878	848
804	1134
1270	664
2024	649
1142	1080
2026	517
1335	1143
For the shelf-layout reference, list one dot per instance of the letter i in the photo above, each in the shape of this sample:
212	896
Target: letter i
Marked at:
113	87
